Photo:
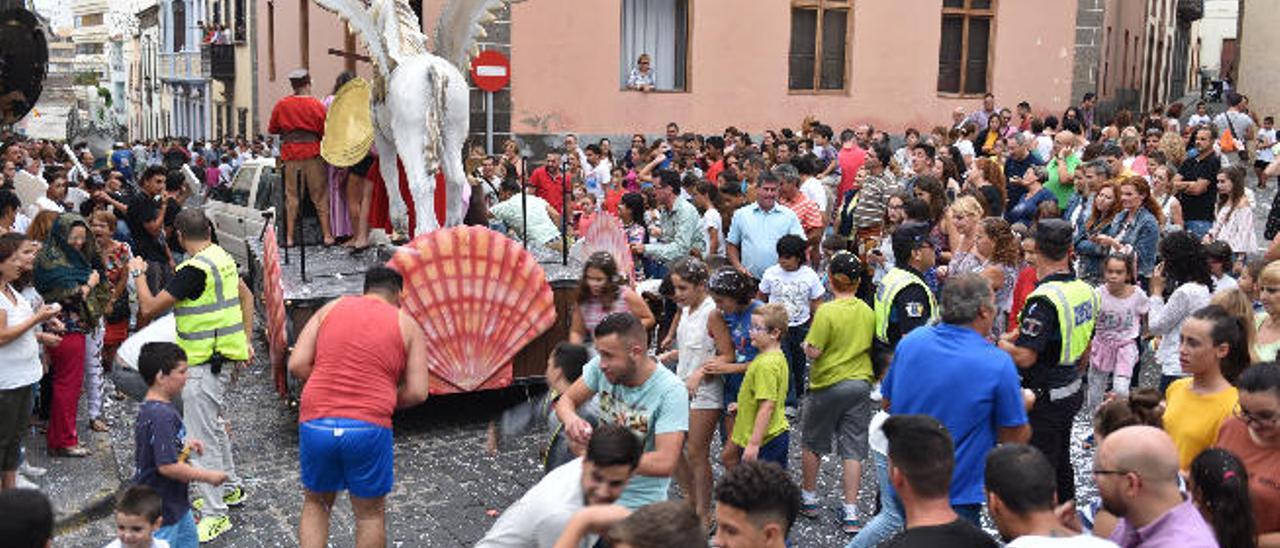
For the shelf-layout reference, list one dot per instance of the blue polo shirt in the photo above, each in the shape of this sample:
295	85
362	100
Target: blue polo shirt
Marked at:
953	374
756	233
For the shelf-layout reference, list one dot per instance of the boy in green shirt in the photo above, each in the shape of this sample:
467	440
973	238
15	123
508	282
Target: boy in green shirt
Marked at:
838	404
760	433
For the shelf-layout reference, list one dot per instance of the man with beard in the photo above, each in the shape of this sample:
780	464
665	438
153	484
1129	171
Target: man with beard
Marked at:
635	393
1136	470
537	519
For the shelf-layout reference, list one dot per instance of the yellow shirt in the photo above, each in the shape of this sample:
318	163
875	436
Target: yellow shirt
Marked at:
1193	420
843	330
766	379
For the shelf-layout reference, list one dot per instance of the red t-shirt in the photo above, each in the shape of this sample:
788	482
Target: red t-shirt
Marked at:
298	113
1024	286
548	188
611	200
360	358
713	172
851	159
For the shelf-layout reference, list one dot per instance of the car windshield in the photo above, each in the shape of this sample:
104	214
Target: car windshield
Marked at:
242	185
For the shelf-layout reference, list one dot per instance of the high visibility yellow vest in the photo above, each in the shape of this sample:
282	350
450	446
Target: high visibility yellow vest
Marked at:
891	284
1078	306
212	321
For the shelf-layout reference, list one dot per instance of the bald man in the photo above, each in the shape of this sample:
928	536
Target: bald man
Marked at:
1136	470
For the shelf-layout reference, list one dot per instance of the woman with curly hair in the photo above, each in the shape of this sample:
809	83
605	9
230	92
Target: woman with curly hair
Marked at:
1184	270
602	291
1174	148
995	254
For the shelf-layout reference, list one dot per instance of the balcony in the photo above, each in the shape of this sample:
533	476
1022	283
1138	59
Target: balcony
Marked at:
219	61
182	66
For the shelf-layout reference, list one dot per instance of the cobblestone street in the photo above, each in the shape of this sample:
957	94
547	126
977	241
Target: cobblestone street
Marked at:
446	483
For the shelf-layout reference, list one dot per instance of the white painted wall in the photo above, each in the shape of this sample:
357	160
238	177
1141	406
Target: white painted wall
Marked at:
1219	23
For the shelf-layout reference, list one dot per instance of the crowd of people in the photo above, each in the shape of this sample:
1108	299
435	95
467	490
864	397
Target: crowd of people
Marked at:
112	246
942	312
948	309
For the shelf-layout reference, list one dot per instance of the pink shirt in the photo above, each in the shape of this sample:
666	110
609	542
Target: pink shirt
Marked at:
1120	319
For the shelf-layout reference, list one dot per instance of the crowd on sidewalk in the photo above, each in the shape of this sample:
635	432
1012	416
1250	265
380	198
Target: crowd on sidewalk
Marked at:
941	313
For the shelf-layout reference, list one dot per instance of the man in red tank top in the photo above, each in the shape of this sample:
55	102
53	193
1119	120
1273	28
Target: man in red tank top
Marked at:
362	358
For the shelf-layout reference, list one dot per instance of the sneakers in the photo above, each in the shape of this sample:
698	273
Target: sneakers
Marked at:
849	522
30	471
24	483
234	497
809	509
211	527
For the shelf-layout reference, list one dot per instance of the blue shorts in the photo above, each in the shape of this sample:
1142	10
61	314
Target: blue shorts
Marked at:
180	535
774	450
346	454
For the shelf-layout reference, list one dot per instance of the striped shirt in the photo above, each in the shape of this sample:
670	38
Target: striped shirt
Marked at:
805	209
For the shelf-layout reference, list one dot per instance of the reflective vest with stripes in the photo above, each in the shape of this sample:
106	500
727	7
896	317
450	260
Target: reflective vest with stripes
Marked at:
212	321
1078	306
891	284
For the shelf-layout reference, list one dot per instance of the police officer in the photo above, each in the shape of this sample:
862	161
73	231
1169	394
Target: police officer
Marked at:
213	327
903	301
1054	332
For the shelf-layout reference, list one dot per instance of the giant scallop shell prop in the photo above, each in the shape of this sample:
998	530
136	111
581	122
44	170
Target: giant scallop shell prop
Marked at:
606	233
480	298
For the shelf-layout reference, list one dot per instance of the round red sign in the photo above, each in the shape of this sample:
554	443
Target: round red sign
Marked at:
491	70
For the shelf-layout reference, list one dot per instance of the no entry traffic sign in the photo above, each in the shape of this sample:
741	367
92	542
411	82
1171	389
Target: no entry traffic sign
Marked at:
491	70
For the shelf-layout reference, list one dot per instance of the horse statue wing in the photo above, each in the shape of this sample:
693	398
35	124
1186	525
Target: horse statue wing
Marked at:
460	27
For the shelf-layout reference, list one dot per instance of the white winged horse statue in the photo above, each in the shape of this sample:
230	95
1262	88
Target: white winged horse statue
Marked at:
420	101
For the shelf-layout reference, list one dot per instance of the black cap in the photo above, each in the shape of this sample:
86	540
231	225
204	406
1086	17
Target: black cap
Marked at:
1054	233
910	235
846	264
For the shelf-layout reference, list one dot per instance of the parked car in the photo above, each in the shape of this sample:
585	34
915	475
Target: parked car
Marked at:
240	211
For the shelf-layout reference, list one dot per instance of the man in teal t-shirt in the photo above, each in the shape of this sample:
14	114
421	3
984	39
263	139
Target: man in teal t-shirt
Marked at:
636	393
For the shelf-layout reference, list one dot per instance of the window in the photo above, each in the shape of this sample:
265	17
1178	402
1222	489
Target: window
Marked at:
242	185
964	57
659	29
819	42
179	25
91	20
88	49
